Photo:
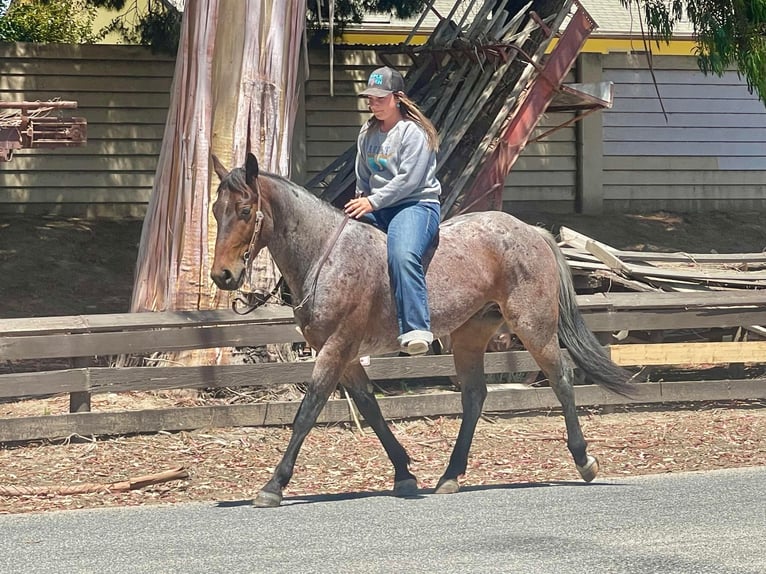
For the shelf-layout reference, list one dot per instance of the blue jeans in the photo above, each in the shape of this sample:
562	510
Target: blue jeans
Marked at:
413	230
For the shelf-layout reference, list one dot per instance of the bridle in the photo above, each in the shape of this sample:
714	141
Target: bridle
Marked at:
251	300
247	301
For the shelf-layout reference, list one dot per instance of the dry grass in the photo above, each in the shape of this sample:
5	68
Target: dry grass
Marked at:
232	464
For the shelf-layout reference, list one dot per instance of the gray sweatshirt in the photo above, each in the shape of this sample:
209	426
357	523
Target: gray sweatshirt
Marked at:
397	166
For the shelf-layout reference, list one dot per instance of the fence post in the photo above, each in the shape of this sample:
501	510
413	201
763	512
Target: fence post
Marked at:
79	402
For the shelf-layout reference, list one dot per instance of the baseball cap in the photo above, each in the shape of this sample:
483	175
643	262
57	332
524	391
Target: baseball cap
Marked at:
382	82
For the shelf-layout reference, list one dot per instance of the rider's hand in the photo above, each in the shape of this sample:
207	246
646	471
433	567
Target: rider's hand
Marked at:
358	207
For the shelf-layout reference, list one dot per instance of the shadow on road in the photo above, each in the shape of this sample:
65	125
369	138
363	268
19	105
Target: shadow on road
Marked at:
422	493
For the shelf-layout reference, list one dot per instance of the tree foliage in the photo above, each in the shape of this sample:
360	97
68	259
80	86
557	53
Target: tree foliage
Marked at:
348	11
158	25
48	21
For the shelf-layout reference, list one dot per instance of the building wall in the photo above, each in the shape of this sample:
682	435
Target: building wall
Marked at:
123	92
710	154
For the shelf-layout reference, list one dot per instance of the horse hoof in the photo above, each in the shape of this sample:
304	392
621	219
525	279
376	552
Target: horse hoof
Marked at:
407	487
449	486
589	470
267	500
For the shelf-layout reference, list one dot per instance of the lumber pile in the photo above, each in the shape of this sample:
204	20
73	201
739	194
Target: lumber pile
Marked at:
652	271
597	266
467	78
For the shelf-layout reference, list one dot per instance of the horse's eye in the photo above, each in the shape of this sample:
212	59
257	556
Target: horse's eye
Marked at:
246	211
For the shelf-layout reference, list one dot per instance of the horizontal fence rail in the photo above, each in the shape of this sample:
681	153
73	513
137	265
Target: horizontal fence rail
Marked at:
136	333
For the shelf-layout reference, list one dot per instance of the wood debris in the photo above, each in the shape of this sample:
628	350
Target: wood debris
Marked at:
652	271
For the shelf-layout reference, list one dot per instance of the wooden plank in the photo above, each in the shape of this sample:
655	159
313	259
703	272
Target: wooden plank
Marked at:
84	163
111	380
658	320
657	120
142	332
73	196
689	177
542	193
85	344
581	241
102	379
282	413
123	148
129	53
660	147
685	134
709	106
119	322
43	384
66	84
689	353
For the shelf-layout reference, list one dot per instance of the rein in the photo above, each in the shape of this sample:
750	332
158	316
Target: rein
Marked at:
322	261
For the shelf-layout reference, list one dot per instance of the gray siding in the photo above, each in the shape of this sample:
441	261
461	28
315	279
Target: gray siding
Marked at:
545	175
123	92
709	154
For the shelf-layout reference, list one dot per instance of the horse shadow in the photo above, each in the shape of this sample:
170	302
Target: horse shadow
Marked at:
421	494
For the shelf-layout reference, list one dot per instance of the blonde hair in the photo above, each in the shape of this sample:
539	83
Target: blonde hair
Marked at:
411	111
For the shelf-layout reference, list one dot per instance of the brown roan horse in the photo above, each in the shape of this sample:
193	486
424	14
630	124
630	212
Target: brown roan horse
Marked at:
489	267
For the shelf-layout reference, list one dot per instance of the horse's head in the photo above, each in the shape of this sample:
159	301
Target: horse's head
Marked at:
242	227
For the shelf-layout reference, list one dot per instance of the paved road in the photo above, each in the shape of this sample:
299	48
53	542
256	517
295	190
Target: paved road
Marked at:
693	523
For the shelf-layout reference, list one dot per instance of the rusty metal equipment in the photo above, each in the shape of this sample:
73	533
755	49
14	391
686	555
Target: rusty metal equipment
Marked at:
39	125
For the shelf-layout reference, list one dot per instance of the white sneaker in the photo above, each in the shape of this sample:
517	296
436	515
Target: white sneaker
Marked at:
416	347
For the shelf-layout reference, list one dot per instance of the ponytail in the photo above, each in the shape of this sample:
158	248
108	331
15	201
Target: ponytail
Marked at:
411	110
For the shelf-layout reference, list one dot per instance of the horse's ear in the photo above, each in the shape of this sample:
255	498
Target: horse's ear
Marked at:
218	167
251	168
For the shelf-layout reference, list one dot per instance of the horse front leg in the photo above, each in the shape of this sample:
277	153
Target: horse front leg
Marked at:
357	384
468	345
328	369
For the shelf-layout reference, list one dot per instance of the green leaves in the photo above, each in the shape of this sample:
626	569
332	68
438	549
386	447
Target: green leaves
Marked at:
49	21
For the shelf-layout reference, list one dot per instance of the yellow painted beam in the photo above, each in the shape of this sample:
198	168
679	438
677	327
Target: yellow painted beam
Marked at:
592	45
689	353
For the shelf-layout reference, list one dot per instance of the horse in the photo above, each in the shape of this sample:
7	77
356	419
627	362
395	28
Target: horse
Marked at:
489	268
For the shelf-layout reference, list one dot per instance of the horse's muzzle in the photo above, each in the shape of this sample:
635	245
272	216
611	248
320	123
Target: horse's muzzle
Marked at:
226	280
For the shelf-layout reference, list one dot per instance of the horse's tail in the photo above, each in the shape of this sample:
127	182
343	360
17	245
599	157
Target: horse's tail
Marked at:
583	347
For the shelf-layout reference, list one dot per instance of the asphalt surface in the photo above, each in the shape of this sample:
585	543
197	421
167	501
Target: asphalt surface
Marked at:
693	523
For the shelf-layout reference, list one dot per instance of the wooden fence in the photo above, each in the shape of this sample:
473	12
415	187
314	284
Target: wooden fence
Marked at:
81	338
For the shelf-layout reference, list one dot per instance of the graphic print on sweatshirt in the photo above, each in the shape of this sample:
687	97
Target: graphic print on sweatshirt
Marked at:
381	148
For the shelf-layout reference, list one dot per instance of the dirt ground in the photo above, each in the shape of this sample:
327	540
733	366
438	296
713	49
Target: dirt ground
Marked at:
55	266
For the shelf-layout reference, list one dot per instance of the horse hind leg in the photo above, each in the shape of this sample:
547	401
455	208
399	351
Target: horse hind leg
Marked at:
357	383
469	343
560	374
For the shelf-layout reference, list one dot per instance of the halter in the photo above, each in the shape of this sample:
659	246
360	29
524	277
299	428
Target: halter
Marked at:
251	300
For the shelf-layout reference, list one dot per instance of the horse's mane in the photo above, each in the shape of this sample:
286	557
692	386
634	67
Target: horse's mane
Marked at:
236	181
